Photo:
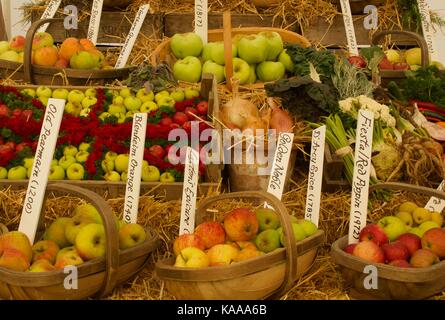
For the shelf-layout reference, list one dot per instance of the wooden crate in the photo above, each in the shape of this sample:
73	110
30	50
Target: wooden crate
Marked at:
333	179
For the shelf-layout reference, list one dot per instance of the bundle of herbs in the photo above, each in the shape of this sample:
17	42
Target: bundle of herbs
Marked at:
153	78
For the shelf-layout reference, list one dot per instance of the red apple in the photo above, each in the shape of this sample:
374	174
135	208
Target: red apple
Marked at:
385	64
357	61
395	251
423	258
167	121
17	43
10	145
202	107
190	112
187	240
434	240
19	147
17	112
369	251
157	151
4	111
400	263
27	114
212	233
174	126
180	118
350	248
411	242
187	126
401	66
375	233
241	224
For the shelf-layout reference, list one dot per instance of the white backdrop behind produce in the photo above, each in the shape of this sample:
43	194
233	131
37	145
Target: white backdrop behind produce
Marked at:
13	16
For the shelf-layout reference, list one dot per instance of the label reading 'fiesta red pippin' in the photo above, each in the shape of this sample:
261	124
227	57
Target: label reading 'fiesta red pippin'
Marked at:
50	12
134	172
41	168
201	19
189	192
360	178
96	14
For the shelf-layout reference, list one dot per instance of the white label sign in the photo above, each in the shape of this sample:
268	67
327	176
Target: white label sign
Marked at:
134	172
315	176
360	179
436	204
40	170
280	163
49	13
132	36
201	19
189	192
349	27
434	34
96	14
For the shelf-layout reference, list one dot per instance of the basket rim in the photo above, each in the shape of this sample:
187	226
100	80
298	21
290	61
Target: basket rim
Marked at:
165	270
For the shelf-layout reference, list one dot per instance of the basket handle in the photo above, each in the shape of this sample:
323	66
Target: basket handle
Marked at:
399	186
281	210
378	36
27	66
112	250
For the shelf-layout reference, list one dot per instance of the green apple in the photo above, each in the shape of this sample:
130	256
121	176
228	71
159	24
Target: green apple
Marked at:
186	44
66	161
416	231
270	71
56	173
131	235
90	92
124	176
252	48
91	242
75	172
107	165
82	156
114	109
43	91
161	94
427	225
149	106
132	103
252	77
60	94
217	52
130	114
121	118
215	69
3	173
4	46
298	233
178	95
29	173
87	211
392	55
150	173
125	92
308	226
54	162
144	163
84	146
118	100
76	96
88	102
30	92
73	108
207	51
267	219
191	93
110	155
167	102
112	176
9	56
268	240
393	227
17	173
28	162
274	44
121	163
145	95
187	69
241	70
414	56
70	150
56	232
286	60
167	177
104	115
44	100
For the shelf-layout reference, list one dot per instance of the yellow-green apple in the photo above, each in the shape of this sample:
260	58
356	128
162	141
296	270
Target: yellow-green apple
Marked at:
241	70
60	93
369	251
150	173
66	161
45	250
73	108
252	48
3	173
104	115
423	258
88	102
308	226
83	60
274	44
252	76
192	257
118	100
30	92
241	224
75	172
70	150
28	162
132	103
298	231
75	96
268	240
87	211
211	233
437	217
270	71
18	241
125	92
405	217
43	91
90	92
408	206
267	219
414	56
91	241
56	232
187	69
206	51
10	56
161	94
110	155
112	176
4	46
420	215
44	100
121	163
131	235
222	254
167	177
286	60
434	240
145	95
178	95
400	264
115	109
17	43
77	222
67	257
17	173
392	55
411	241
427	225
82	156
149	106
13	259
41	266
416	231
107	165
166	102
191	93
393	227
395	251
54	162
84	146
42	39
124	176
56	173
217	52
186	44
187	240
215	69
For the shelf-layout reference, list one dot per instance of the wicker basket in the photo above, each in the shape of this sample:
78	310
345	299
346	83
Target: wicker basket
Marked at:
268	276
42	75
97	277
393	282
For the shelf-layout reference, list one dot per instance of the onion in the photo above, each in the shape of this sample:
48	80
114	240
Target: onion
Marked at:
236	111
255	123
281	121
